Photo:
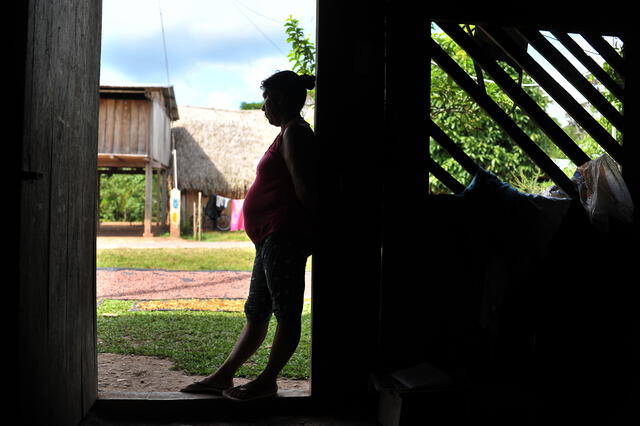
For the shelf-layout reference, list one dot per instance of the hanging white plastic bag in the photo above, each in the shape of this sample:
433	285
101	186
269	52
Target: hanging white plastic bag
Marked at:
603	192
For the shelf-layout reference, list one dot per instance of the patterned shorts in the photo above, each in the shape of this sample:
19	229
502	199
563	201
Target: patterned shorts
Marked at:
277	280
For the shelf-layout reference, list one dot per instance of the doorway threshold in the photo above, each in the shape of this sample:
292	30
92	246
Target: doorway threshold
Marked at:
183	396
159	405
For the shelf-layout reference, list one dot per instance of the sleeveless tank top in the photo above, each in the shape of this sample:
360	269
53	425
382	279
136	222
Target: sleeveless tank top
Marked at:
271	204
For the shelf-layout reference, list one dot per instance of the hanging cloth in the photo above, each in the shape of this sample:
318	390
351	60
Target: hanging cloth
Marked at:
237	217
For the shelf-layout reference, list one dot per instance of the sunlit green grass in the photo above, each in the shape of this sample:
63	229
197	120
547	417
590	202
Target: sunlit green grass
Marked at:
196	342
182	259
215	236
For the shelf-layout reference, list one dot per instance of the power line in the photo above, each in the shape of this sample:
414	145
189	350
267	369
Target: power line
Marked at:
258	28
260	14
164	46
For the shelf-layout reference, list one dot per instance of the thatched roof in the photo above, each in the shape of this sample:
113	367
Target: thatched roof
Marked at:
218	150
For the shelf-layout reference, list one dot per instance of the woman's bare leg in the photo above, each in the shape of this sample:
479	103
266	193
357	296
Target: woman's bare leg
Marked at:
248	342
285	342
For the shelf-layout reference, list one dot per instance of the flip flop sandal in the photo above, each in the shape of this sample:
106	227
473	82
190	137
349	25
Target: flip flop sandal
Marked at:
248	394
200	387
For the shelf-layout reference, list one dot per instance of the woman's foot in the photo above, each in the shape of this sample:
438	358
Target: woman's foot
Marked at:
214	384
256	389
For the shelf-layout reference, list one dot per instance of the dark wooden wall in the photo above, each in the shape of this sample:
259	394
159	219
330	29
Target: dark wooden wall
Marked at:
400	290
349	123
57	361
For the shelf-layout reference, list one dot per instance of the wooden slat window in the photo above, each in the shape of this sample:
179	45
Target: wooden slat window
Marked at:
597	116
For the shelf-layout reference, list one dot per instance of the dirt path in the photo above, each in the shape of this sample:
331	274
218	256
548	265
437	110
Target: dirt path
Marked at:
130	373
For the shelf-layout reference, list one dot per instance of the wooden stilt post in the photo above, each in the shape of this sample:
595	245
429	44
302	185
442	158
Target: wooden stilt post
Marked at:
199	216
194	220
158	198
148	195
98	202
163	198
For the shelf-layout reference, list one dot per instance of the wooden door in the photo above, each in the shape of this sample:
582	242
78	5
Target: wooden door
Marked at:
57	204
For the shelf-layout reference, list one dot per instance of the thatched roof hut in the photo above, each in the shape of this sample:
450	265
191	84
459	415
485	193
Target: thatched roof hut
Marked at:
218	150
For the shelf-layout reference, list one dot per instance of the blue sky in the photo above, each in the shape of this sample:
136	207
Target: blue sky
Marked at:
218	51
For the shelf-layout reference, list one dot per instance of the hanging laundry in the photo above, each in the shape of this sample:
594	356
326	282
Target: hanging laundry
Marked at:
237	218
222	202
211	210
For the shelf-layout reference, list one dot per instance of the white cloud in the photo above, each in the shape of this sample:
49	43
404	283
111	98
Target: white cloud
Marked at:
225	85
255	72
222	100
110	76
135	18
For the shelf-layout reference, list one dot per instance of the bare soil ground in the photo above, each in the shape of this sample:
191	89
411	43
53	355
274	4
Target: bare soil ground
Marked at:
129	373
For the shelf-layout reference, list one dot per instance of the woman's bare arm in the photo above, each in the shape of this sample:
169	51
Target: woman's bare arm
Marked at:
298	151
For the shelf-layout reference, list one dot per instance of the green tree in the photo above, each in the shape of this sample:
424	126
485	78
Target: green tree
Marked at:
251	105
460	117
582	138
302	54
303	51
122	197
477	134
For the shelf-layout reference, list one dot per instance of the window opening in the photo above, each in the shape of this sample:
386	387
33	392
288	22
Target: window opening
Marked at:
498	93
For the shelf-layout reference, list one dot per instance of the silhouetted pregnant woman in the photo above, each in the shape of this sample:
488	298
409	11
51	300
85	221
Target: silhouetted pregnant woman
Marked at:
278	212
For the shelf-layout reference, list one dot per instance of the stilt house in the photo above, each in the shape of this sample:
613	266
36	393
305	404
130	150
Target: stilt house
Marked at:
134	136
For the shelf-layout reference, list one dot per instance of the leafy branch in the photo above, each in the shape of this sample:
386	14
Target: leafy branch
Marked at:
303	51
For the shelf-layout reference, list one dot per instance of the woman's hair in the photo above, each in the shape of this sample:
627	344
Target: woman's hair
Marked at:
292	86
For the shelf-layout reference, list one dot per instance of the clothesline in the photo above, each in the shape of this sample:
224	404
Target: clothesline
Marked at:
222	203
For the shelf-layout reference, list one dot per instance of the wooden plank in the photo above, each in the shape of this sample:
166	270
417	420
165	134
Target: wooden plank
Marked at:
405	181
163	197
109	171
118	146
102	118
605	50
158	197
502	119
607	22
144	126
34	228
148	200
573	76
153	407
453	149
574	48
57	231
631	135
122	160
360	24
134	130
515	92
557	92
443	176
125	126
109	126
